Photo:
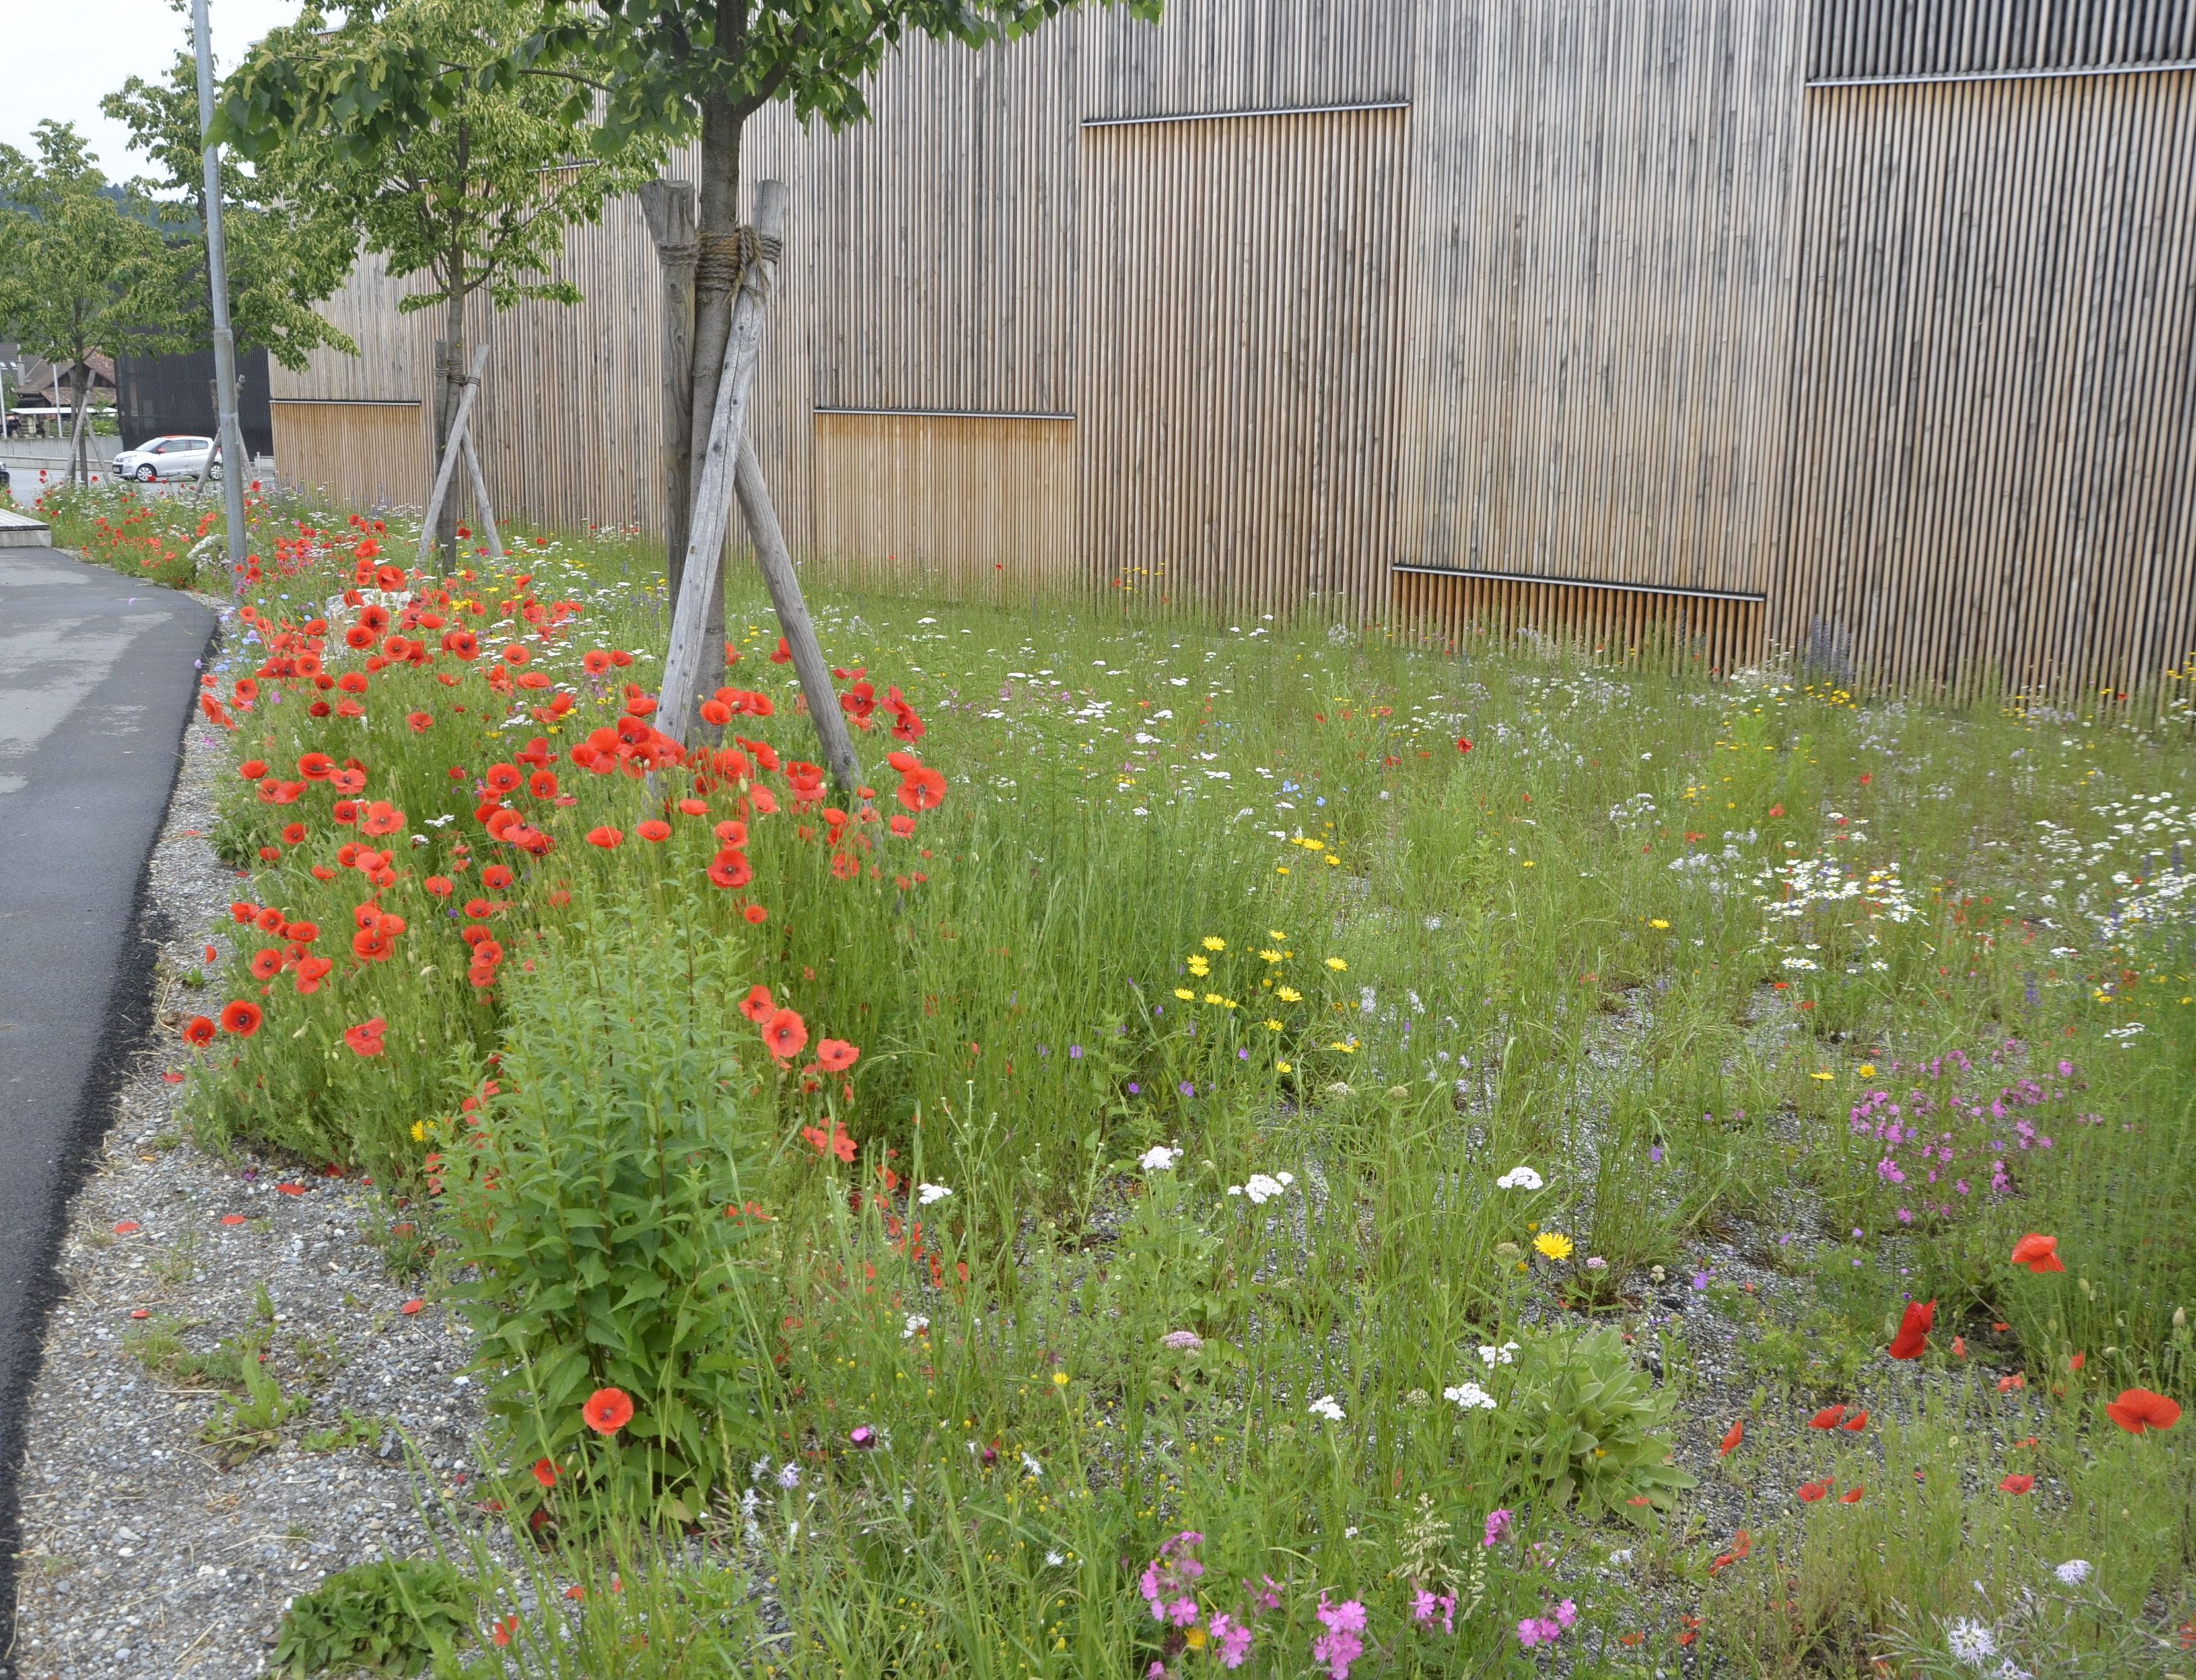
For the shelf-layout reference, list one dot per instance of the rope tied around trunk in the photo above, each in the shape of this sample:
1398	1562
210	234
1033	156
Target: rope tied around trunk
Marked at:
725	258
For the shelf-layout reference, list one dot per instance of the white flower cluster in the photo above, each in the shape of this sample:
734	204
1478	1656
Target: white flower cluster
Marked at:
1326	1406
929	1193
2140	872
1519	1178
1506	1354
1470	1396
1158	1158
1263	1187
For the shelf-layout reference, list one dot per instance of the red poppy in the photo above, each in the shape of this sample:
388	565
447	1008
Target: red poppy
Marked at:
784	1034
2038	1253
731	869
310	972
922	789
1851	1496
1856	1424
365	1038
2006	1385
1812	1491
834	1142
835	1055
381	818
252	769
1828	1418
240	1017
2139	1409
1914	1327
2016	1484
756	914
606	837
653	830
607	1411
544	1472
1731	1437
1463	745
197	1031
315	766
756	1005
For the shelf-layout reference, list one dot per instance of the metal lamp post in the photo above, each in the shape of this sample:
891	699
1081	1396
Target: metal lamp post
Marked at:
234	464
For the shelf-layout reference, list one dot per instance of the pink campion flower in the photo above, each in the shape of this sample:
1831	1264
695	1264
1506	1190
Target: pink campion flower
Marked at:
1422	1607
1566	1613
1270	1599
1347	1617
1231	1641
1499	1523
1183	1612
1528	1632
1337	1651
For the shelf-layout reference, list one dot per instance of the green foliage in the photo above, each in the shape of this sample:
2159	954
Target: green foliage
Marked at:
80	261
392	1617
395	125
285	251
592	1196
241	1428
1590	1424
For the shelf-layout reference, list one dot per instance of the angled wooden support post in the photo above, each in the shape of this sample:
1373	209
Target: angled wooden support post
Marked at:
480	499
450	450
728	467
776	561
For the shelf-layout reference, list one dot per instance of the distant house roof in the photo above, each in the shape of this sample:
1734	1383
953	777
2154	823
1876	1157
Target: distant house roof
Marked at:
37	375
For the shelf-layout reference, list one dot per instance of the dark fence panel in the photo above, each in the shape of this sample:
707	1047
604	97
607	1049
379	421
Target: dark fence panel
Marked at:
163	394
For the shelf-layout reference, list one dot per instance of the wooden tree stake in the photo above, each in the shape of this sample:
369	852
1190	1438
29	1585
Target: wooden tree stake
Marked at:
668	207
480	496
450	448
784	585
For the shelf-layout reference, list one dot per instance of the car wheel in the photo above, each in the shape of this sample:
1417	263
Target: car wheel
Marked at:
146	473
213	472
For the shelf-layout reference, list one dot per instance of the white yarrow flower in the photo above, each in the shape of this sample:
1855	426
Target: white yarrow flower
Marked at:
1158	1158
917	1325
929	1193
1470	1395
1506	1354
1971	1642
1326	1406
2074	1571
1518	1178
1261	1188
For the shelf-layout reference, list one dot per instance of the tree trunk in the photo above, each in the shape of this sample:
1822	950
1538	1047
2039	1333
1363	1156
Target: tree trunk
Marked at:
449	386
713	327
80	394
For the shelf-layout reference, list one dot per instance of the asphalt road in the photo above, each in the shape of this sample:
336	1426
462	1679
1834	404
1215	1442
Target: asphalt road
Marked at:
98	676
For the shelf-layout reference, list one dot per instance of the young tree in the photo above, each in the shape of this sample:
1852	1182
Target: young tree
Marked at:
80	263
642	73
285	254
403	122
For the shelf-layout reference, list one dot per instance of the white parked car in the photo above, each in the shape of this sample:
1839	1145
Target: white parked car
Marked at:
167	458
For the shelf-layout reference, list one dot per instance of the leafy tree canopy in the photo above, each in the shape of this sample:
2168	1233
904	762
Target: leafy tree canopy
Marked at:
286	252
80	259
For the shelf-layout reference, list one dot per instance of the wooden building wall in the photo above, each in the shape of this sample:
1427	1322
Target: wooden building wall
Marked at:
1700	325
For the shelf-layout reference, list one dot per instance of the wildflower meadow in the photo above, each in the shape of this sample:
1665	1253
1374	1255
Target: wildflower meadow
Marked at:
1243	1147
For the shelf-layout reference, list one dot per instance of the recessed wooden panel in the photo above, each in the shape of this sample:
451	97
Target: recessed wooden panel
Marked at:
964	507
1243	311
1603	283
1993	474
1861	39
373	454
1688	635
1217	55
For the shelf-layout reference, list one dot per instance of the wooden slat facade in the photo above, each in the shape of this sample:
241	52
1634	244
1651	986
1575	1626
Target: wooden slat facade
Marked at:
1865	328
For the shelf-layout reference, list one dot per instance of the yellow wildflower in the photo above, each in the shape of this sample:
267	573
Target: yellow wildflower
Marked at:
1658	922
1336	964
1276	933
1868	1070
1185	994
1553	1245
1270	956
1288	994
1273	1026
418	1132
1211	943
1283	1067
1200	966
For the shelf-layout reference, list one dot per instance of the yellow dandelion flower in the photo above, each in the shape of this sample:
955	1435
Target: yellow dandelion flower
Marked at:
1822	1076
1276	933
1214	997
1185	994
1283	1067
1333	861
1211	943
1658	922
1288	994
1198	966
1270	956
418	1132
1059	1379
1273	1026
1553	1245
1336	964
1868	1070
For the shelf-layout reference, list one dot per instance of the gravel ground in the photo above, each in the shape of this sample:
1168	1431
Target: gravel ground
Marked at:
142	1554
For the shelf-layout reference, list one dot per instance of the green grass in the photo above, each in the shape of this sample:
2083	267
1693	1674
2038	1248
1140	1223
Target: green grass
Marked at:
1603	943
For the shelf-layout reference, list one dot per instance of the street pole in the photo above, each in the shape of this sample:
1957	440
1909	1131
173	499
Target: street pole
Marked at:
233	465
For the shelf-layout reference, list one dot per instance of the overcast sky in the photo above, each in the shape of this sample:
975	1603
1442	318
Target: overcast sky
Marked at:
59	58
